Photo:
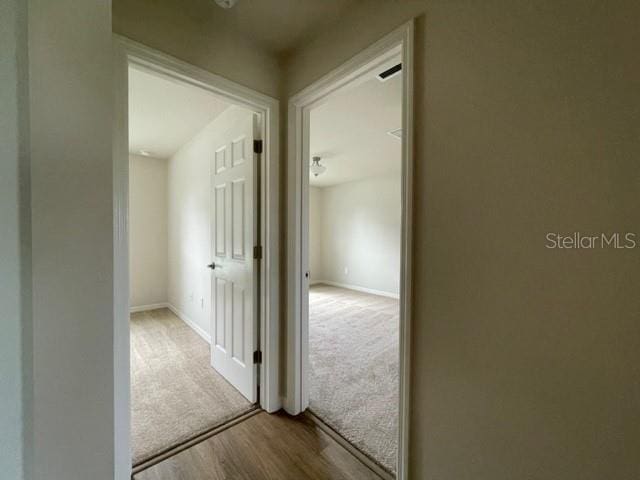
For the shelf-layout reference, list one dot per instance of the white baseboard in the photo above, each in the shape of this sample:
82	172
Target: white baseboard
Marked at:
144	308
357	288
194	326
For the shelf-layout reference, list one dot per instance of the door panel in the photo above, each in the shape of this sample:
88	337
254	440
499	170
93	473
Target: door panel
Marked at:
238	149
219	223
234	233
237	219
219	304
237	334
220	160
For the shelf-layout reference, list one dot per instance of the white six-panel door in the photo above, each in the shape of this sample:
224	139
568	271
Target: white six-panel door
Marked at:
233	234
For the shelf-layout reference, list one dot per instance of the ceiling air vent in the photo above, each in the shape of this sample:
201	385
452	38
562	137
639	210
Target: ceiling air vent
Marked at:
390	72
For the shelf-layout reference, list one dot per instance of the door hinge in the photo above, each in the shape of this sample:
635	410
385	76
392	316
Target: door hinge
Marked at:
257	146
257	252
257	357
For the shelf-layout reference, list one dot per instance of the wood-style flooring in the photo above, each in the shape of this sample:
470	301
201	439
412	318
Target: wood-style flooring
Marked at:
263	447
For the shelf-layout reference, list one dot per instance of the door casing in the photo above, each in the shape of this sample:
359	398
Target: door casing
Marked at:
128	52
400	41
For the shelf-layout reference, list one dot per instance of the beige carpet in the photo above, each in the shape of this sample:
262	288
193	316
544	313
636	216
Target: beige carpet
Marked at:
175	393
353	356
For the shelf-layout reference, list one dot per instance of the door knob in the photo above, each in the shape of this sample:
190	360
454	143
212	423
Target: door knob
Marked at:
212	265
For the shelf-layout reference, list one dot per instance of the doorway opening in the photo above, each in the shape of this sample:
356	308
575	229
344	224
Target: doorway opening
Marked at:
354	212
350	164
195	260
191	220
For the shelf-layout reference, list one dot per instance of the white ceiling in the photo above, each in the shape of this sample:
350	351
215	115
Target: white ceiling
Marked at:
349	131
164	114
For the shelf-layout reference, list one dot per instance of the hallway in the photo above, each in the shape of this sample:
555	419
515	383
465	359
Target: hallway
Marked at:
263	447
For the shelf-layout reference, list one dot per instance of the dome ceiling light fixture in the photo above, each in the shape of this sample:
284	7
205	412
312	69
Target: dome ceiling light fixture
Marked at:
226	3
316	168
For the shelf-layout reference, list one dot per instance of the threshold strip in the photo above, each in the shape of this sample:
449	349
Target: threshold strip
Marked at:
175	449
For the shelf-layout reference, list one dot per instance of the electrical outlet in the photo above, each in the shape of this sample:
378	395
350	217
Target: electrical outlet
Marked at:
346	271
202	302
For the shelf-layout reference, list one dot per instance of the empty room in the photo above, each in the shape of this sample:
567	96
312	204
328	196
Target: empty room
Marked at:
354	261
182	141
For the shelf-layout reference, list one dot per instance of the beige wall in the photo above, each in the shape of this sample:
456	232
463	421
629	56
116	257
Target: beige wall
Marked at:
201	35
525	360
71	107
147	230
354	234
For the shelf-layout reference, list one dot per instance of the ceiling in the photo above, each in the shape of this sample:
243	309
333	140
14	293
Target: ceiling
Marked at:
164	114
349	132
277	27
280	25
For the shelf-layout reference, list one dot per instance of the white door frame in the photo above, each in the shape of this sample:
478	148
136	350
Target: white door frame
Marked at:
127	52
397	42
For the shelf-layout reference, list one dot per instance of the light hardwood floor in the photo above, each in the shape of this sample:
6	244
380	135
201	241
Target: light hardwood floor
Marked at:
263	447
